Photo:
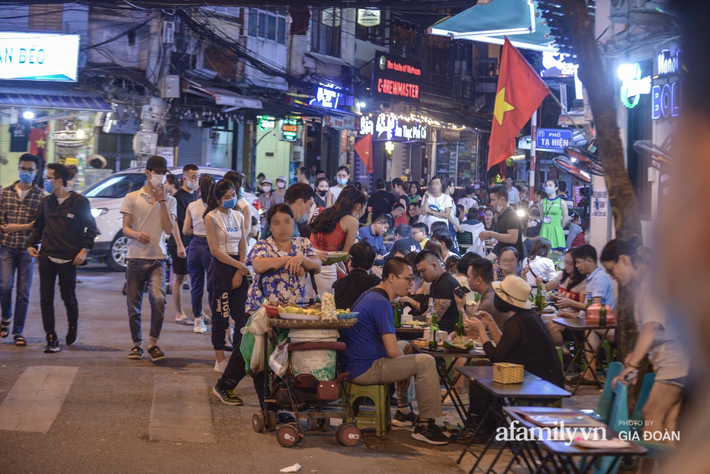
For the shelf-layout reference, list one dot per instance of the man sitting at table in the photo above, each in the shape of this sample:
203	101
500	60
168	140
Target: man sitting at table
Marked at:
442	290
373	355
480	278
373	234
599	286
359	279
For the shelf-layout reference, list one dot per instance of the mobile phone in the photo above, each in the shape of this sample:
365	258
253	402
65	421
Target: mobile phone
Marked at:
631	376
461	291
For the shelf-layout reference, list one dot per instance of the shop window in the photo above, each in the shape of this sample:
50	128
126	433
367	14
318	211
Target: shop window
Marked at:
268	24
45	17
325	31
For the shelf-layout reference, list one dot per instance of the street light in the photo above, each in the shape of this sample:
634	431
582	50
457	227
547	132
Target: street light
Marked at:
28	115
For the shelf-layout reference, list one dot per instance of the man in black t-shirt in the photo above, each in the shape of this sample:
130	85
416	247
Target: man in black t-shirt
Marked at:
177	245
347	290
381	201
442	290
509	230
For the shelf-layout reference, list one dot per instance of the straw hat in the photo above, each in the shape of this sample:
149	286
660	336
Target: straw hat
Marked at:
513	290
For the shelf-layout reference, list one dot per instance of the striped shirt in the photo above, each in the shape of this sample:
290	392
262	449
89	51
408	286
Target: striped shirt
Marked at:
16	211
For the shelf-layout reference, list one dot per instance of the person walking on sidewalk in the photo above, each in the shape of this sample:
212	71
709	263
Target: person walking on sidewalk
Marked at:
198	253
19	205
227	284
66	229
177	244
148	217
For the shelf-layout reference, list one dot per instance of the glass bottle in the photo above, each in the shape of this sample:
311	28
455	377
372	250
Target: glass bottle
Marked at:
433	333
398	315
602	313
459	325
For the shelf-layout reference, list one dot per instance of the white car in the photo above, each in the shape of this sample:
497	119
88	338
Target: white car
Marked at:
106	197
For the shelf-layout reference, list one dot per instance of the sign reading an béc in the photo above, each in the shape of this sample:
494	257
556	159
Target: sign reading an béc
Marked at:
39	57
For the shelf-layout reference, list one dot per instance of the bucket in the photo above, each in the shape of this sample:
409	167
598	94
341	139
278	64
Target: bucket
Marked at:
320	364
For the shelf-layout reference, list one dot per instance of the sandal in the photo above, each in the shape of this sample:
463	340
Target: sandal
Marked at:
185	321
4	331
20	340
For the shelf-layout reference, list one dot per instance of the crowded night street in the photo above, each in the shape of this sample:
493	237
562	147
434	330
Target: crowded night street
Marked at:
324	236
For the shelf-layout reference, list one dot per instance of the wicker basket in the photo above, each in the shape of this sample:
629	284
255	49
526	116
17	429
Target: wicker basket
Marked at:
506	373
303	324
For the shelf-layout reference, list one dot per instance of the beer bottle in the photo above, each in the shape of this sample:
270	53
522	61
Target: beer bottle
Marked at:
430	310
398	315
459	325
433	333
602	313
539	302
589	300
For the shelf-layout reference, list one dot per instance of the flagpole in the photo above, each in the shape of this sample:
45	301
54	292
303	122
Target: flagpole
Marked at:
564	109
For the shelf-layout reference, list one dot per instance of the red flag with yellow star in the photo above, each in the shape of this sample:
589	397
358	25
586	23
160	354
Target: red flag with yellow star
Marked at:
520	92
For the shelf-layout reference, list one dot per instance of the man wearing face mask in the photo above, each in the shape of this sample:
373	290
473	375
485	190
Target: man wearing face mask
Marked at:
341	176
19	205
299	197
267	199
280	187
148	216
66	229
177	243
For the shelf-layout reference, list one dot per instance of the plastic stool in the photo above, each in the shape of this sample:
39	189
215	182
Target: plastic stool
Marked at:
380	419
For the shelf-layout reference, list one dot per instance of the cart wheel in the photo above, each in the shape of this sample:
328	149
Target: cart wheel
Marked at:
271	418
288	436
337	432
312	424
257	422
349	435
325	425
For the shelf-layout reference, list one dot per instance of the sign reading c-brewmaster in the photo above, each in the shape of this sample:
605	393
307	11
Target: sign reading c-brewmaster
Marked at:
396	78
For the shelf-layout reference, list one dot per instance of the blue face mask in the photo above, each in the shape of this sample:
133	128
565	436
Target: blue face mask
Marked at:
48	186
26	177
302	220
343	181
230	203
241	192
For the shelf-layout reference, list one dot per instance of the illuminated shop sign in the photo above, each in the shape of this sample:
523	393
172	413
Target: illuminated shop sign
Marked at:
632	84
665	100
327	96
39	57
396	78
265	122
668	64
368	17
289	129
389	127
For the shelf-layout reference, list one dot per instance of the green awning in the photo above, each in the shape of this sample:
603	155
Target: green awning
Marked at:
492	22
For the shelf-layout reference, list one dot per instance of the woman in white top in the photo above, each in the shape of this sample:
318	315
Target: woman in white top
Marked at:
437	205
198	253
537	264
227	284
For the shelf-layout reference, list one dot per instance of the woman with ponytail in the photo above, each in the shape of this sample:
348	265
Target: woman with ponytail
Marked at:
658	337
226	276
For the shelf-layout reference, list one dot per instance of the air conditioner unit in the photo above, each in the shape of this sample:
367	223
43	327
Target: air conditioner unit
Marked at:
145	143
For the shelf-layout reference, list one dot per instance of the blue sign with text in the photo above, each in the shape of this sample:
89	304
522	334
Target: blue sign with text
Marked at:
553	138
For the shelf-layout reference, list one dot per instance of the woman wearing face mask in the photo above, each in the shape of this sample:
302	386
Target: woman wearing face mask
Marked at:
341	177
247	210
198	255
280	187
659	337
227	284
321	193
554	216
267	199
335	230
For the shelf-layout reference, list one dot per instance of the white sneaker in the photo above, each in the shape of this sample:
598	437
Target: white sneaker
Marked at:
221	366
200	327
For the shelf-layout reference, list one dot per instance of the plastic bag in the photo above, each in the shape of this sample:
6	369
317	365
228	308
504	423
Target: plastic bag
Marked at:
279	359
252	345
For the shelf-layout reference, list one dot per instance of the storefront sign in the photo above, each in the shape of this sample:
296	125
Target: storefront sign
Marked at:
396	78
266	122
341	123
633	85
368	17
39	57
289	129
327	96
553	138
668	64
390	127
71	138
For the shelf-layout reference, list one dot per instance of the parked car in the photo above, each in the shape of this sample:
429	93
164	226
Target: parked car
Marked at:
106	197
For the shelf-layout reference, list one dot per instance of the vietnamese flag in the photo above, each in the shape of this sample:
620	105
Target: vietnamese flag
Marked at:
520	92
363	147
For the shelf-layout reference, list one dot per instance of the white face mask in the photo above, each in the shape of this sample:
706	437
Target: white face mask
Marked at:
157	179
281	185
192	185
499	208
266	188
550	190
